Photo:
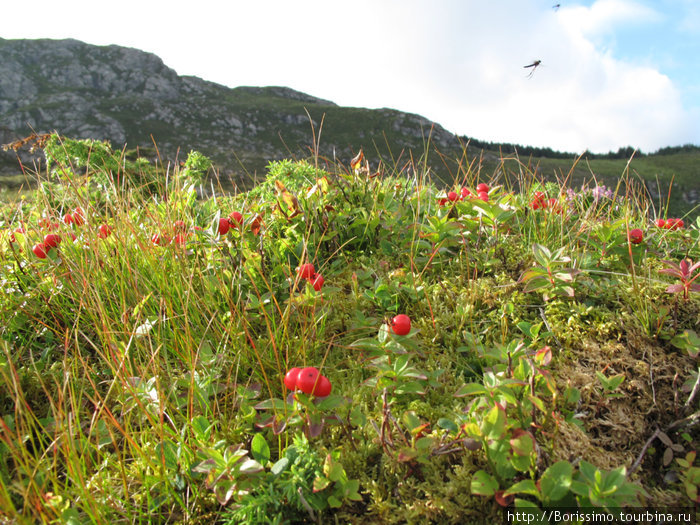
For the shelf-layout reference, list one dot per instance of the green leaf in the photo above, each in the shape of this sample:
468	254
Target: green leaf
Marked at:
542	255
168	452
556	481
201	428
447	424
260	449
274	404
351	490
613	480
279	466
321	483
537	402
411	387
357	417
687	340
526	486
205	466
580	489
250	466
471	389
494	423
528	512
521	463
71	516
424	443
523	445
587	470
331	402
536	283
483	484
335	471
383	333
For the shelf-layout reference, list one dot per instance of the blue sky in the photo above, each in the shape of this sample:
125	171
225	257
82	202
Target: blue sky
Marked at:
613	72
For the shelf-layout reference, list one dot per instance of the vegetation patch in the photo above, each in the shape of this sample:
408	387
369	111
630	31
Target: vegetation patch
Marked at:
340	344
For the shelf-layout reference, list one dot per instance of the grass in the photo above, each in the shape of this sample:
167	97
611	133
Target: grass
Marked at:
548	362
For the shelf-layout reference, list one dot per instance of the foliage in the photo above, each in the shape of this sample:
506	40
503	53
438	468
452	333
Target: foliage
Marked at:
141	370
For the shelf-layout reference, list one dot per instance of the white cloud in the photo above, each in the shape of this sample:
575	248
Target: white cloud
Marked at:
607	15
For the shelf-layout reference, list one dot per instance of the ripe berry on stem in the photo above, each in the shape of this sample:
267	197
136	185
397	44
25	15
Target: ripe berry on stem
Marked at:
306	271
290	378
401	324
40	250
306	380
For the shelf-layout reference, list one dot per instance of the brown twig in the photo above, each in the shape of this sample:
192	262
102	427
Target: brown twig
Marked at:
640	457
692	419
694	392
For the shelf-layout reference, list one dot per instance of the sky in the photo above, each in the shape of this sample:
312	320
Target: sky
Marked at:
613	73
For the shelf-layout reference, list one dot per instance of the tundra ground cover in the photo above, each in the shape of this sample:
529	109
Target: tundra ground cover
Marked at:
483	348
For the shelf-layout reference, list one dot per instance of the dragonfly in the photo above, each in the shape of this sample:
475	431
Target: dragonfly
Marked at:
534	65
556	7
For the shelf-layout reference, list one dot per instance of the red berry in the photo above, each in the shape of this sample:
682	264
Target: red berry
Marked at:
237	218
105	231
52	240
317	282
452	196
180	239
670	223
224	226
68	219
78	216
306	380
442	202
306	271
635	236
465	193
679	224
484	196
482	187
72	236
660	223
401	324
323	387
159	239
290	378
40	250
179	226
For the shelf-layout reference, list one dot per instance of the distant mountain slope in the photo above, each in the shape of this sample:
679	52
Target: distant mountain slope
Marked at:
125	95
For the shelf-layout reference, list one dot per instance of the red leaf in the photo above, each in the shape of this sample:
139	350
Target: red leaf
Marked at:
503	501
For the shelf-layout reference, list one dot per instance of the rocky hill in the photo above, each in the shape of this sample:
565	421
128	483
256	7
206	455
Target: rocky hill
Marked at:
131	97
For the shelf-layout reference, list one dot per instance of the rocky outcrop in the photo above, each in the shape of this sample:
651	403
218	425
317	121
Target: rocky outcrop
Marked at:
131	97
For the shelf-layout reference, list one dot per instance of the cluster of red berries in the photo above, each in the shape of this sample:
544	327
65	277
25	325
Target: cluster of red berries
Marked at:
540	202
235	220
308	380
670	224
52	240
482	192
308	272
